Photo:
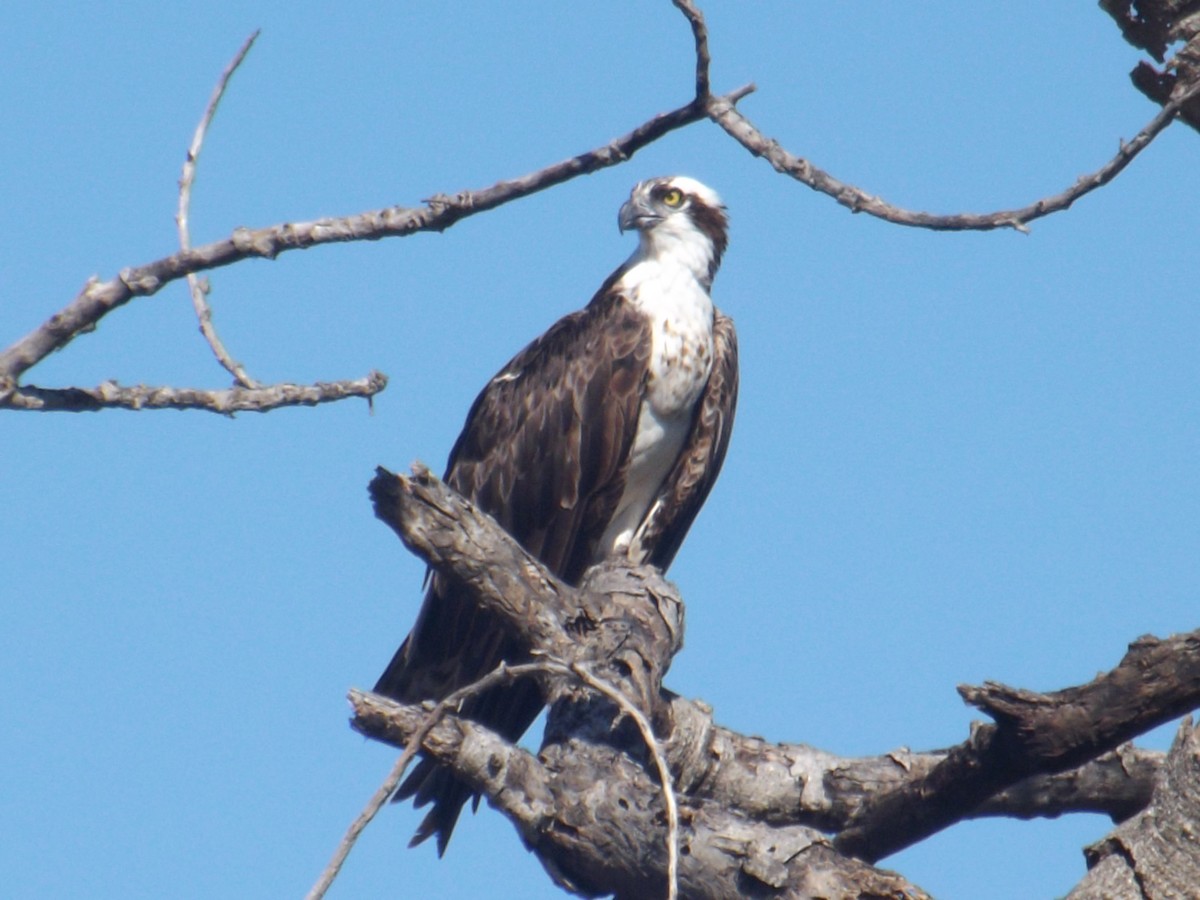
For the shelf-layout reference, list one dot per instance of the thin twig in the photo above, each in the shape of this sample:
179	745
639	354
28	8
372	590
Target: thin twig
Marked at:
725	114
501	675
389	785
111	395
700	36
376	803
197	287
440	212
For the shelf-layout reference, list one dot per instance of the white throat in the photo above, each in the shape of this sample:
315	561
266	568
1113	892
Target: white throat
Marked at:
676	242
667	279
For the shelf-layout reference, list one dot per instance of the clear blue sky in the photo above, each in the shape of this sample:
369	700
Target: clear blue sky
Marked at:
957	457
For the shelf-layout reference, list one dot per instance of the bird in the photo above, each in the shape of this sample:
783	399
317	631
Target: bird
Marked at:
602	438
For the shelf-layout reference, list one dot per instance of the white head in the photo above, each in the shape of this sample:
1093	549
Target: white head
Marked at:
681	218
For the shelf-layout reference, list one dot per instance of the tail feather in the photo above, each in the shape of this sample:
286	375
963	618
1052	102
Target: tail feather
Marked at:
430	783
410	678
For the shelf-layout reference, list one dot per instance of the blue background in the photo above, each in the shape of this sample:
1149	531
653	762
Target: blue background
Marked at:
957	456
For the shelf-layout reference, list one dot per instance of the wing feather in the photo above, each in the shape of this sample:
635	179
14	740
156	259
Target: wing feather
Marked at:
687	485
543	451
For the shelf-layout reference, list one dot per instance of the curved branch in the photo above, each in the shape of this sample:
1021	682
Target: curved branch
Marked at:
700	36
98	298
785	783
774	796
1155	682
413	744
737	126
198	288
595	807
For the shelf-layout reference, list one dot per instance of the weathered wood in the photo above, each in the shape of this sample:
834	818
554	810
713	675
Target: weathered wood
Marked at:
1154	855
754	818
1157	681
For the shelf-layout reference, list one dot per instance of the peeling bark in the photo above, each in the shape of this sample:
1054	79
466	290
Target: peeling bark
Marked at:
1155	855
1155	26
757	819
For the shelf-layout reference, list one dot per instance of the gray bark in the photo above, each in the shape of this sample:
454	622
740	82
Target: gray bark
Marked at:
755	818
1155	854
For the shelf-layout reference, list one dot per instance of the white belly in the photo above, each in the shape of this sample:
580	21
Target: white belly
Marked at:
681	314
655	450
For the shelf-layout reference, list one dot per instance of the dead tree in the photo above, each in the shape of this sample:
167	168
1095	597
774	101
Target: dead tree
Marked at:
638	792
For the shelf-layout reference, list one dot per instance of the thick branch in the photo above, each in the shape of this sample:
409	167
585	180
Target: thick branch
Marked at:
608	826
1157	681
1117	784
512	779
1155	854
592	814
454	536
605	621
796	783
1035	733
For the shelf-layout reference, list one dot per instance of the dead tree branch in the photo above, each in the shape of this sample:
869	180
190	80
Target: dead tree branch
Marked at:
1154	855
602	830
111	395
99	298
196	287
364	705
438	213
855	199
1157	681
1045	755
1154	26
798	783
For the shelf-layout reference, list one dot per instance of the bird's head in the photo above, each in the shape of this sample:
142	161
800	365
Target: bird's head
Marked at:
678	217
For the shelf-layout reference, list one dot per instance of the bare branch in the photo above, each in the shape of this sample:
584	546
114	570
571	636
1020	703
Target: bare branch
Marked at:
1154	854
660	763
1117	784
737	126
94	302
438	213
198	288
513	779
700	36
436	524
378	800
448	751
585	813
111	395
1155	682
794	783
502	674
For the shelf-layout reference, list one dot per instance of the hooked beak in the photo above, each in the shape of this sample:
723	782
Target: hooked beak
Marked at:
634	215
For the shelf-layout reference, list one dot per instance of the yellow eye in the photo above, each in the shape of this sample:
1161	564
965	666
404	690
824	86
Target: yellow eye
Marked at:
673	197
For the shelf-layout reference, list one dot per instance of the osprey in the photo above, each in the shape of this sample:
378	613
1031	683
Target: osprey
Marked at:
601	438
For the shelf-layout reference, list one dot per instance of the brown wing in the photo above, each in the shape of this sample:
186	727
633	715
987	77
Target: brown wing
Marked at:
543	451
687	484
